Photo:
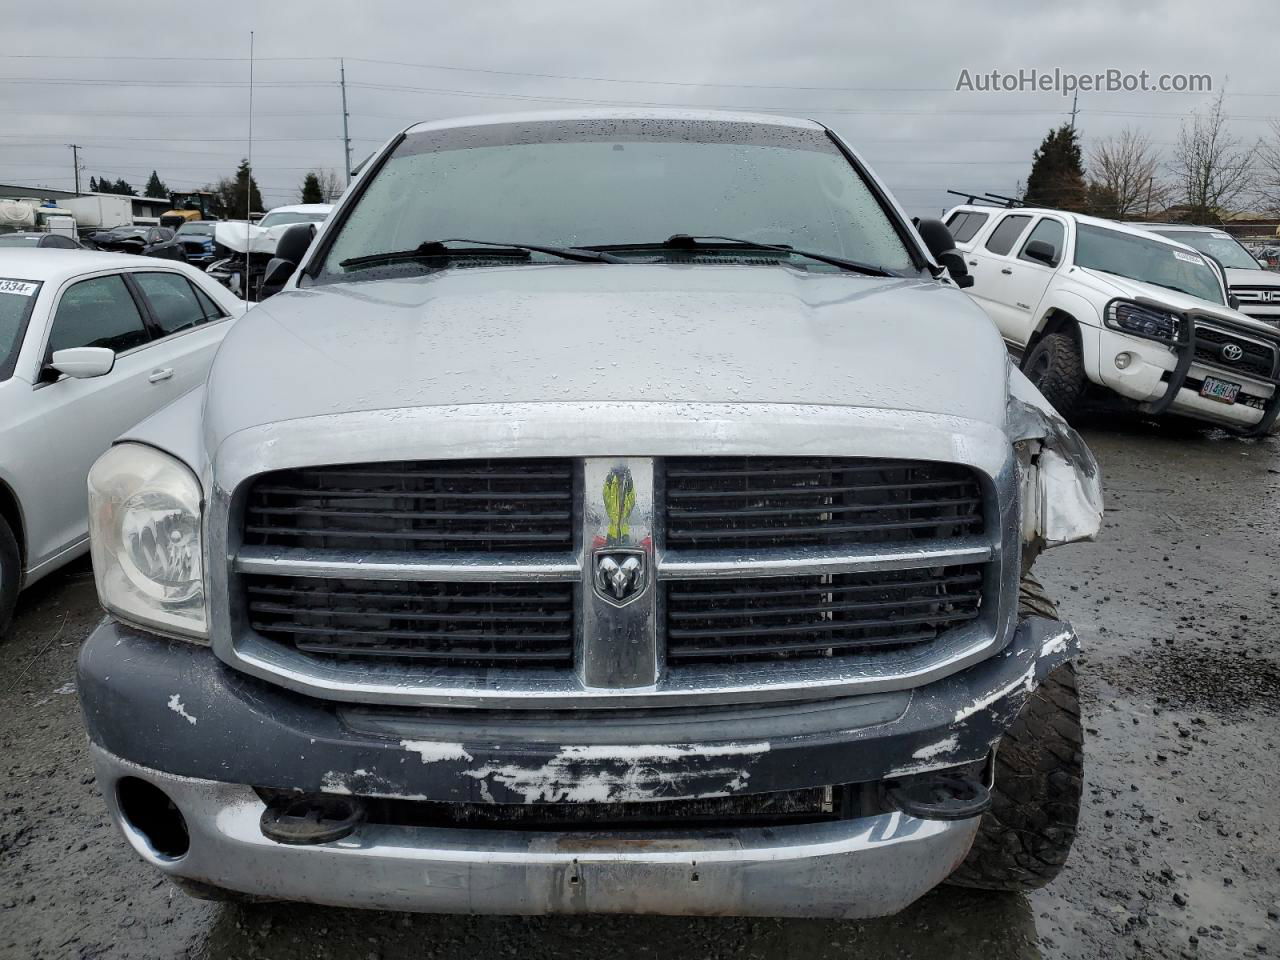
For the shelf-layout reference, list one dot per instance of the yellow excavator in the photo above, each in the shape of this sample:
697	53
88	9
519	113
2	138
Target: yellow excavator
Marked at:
186	207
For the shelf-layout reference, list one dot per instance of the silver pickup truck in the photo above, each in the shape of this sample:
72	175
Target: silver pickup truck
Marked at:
615	512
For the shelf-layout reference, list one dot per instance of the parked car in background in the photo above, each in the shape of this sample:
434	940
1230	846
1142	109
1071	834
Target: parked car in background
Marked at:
31	240
1083	301
243	252
1256	288
196	238
144	241
90	343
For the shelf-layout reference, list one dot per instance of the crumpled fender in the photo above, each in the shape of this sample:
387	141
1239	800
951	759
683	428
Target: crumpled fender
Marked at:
1061	480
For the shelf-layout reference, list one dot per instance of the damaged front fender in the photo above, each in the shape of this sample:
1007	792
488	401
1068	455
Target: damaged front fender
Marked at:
1061	482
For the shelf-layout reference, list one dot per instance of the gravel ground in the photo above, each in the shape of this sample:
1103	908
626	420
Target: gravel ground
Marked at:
1179	854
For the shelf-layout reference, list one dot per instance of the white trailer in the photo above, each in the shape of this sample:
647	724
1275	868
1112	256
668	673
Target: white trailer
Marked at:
101	211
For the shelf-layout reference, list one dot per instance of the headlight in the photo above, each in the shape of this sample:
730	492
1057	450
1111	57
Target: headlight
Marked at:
1143	321
144	531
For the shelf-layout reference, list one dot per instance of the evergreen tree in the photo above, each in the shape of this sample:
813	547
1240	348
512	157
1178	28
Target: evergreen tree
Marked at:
232	190
122	187
311	191
1057	173
93	184
156	188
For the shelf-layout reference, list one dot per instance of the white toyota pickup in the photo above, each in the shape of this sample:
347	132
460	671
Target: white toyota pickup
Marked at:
1088	302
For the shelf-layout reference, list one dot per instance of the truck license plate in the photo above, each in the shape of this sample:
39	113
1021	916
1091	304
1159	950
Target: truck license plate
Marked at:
1219	390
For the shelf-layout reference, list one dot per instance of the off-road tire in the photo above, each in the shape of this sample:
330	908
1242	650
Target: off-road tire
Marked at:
1024	839
10	576
1056	367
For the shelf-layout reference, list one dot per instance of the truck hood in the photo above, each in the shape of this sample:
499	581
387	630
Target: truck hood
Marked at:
248	238
1111	284
1236	277
606	334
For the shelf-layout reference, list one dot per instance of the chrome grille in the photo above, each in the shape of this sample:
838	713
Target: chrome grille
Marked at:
485	506
461	623
775	618
736	503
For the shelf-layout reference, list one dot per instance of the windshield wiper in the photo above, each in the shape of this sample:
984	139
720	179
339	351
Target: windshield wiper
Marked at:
684	241
437	248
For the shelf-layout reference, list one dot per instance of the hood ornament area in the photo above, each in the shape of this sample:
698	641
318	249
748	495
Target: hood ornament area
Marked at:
619	571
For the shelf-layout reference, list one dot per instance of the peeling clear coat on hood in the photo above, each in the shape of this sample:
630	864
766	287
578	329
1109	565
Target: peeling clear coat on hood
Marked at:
604	333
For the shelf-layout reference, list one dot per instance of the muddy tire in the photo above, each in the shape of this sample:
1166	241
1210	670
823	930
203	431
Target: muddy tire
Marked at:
1024	839
10	576
1056	367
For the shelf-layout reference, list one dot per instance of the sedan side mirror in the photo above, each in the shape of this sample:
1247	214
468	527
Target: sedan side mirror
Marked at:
938	239
84	362
1041	251
1233	302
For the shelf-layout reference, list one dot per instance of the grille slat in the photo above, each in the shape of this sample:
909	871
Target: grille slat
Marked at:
770	618
489	506
460	623
1257	358
737	503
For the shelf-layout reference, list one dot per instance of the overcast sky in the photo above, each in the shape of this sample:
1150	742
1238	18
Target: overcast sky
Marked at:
882	74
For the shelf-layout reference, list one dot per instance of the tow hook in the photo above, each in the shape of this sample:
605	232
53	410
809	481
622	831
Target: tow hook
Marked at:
311	818
939	796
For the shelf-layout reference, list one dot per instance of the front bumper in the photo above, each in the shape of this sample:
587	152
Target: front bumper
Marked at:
173	715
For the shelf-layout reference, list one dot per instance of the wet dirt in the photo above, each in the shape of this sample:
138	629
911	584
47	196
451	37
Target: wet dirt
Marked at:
1179	851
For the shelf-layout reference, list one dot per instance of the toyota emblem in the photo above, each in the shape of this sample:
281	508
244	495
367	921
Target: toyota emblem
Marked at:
1232	352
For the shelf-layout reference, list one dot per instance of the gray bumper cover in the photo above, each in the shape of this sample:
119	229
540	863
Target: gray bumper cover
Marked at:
172	714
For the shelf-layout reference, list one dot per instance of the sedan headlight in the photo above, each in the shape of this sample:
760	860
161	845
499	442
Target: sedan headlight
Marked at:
144	531
1143	321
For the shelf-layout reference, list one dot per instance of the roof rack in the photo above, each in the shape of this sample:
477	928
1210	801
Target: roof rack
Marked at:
988	199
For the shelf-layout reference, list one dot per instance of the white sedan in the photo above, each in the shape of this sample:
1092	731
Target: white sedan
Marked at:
90	344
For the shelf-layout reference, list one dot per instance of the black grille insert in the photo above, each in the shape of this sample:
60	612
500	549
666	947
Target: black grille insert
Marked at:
483	506
496	624
734	503
819	615
1256	358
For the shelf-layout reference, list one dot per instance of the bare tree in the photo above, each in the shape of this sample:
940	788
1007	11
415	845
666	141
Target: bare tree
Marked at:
1125	169
1269	172
331	185
1212	169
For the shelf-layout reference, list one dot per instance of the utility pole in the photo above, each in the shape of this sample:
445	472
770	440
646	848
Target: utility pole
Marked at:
75	162
248	180
346	138
1075	108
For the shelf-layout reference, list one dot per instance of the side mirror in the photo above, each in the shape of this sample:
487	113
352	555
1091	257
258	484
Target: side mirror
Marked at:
84	362
1041	251
938	239
1233	302
275	277
293	243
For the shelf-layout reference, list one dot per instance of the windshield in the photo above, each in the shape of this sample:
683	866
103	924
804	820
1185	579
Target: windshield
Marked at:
124	233
283	217
1223	246
201	229
1149	261
18	240
17	297
583	183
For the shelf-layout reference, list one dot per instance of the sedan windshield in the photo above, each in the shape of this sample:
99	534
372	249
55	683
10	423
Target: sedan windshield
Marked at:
200	229
1223	246
18	240
625	186
1148	261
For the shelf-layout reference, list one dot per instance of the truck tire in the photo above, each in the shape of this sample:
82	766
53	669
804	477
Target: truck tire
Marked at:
10	575
1056	367
1024	839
